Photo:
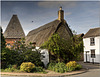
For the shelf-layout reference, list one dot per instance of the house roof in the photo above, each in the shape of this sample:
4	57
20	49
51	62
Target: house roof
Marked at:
14	29
41	34
93	32
80	35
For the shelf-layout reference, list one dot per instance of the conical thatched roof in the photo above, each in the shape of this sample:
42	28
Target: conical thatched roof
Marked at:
14	29
41	34
93	32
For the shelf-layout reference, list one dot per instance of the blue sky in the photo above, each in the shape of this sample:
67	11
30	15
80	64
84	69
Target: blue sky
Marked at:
80	15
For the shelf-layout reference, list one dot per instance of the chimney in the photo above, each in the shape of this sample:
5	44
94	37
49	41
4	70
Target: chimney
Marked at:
60	14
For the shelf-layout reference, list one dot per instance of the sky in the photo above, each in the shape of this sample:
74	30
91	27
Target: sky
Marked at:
79	15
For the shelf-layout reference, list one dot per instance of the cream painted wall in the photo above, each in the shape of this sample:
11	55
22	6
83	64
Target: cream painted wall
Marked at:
87	47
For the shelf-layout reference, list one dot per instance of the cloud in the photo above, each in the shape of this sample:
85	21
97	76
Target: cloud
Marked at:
68	13
50	0
51	4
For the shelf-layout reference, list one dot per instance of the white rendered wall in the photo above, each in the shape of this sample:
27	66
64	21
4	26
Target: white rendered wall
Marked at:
87	47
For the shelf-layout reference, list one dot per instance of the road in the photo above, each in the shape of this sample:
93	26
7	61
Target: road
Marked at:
90	73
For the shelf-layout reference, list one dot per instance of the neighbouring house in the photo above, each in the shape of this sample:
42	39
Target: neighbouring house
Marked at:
13	32
41	34
92	45
80	35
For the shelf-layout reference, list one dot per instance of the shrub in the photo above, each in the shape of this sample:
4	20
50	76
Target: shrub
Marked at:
39	69
57	67
27	66
78	67
11	68
51	66
32	56
14	66
72	65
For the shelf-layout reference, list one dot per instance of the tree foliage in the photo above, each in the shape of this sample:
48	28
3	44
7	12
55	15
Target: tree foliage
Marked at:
63	50
3	42
18	54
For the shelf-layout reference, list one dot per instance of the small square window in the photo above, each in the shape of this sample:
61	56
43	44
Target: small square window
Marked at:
8	44
92	41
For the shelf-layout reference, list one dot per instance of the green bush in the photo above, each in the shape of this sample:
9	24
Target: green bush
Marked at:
72	65
11	68
78	67
39	69
58	67
51	66
32	56
27	67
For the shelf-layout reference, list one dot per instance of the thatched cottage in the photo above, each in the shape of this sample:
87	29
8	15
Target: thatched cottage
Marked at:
41	34
13	32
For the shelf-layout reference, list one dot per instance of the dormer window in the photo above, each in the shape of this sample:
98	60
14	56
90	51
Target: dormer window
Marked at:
92	41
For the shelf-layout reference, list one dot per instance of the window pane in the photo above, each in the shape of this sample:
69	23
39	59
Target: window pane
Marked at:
92	41
92	53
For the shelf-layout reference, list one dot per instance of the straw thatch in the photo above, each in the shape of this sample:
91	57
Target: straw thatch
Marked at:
14	29
41	34
93	32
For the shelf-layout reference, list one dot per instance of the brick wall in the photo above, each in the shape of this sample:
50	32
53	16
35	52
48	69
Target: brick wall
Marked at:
10	41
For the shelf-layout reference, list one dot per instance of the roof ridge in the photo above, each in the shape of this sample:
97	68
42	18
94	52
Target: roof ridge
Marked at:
42	27
95	28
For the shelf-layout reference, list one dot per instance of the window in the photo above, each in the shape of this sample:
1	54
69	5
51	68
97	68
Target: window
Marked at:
92	41
92	53
8	44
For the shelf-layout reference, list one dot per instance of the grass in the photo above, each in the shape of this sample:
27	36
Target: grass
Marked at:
10	70
18	71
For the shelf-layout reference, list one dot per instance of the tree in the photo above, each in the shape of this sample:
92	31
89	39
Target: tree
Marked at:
3	42
57	47
20	45
32	56
77	47
63	50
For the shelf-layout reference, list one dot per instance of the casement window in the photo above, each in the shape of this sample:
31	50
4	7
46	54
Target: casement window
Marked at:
8	44
92	41
93	53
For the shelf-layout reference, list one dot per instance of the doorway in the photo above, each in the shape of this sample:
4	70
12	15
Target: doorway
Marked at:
87	56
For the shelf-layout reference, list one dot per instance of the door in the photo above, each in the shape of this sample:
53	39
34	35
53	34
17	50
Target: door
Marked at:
87	56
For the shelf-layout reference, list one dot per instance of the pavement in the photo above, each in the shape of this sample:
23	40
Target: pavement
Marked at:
88	69
89	65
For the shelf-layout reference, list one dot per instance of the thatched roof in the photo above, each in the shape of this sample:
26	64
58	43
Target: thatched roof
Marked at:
14	29
93	32
41	34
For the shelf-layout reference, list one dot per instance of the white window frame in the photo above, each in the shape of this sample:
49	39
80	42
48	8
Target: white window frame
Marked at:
92	41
